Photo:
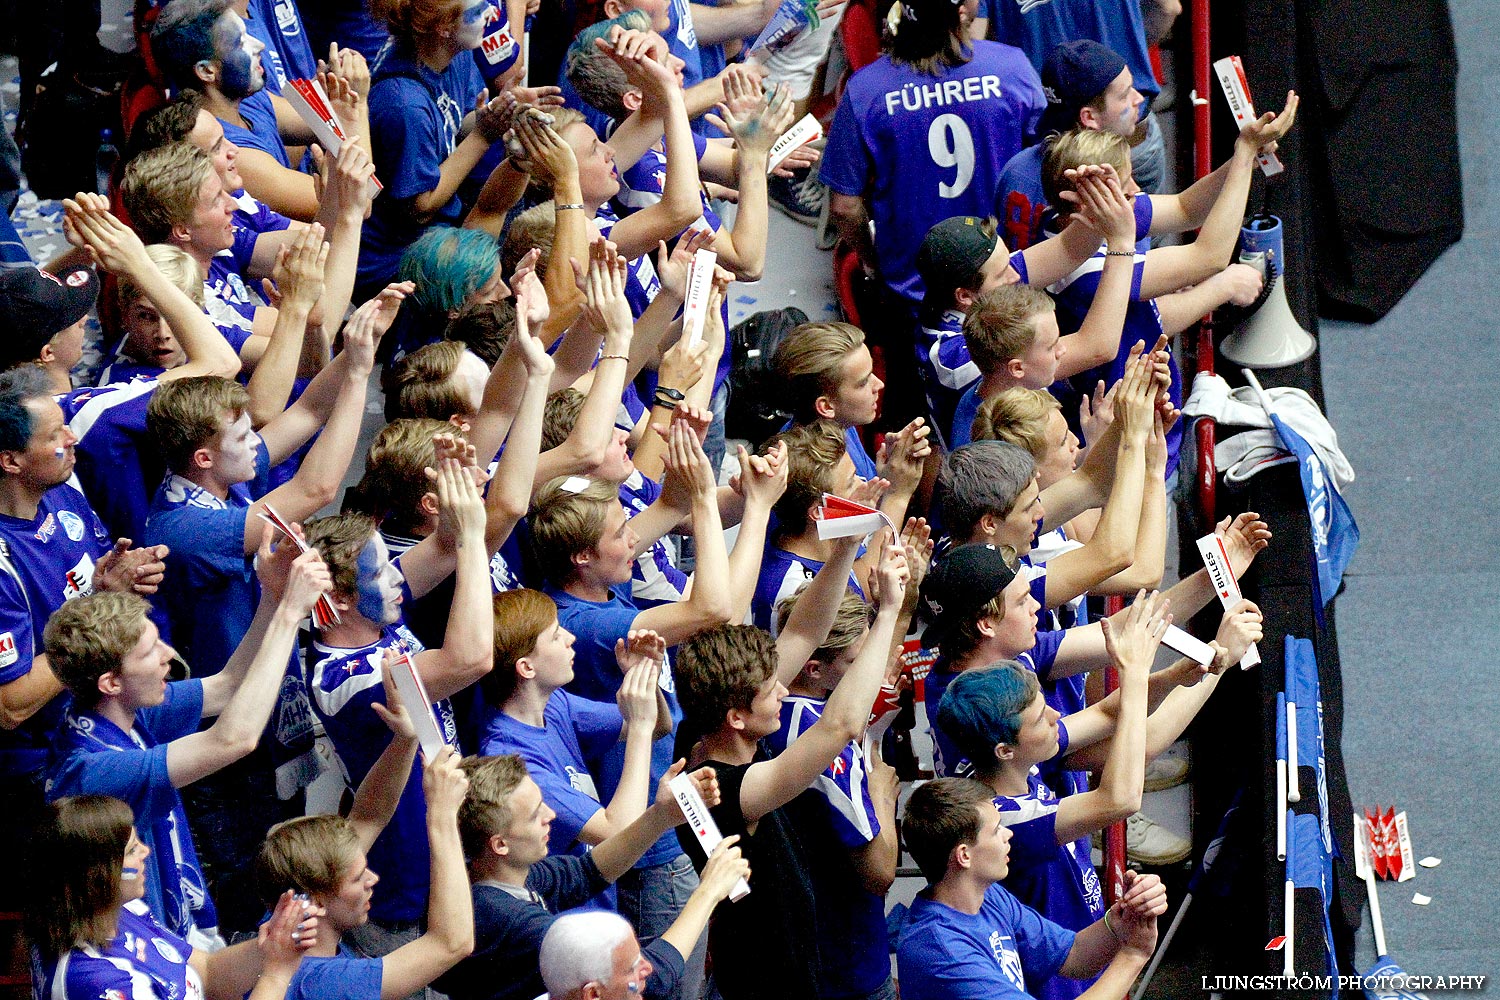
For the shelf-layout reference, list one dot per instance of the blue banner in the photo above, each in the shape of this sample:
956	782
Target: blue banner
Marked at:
1335	536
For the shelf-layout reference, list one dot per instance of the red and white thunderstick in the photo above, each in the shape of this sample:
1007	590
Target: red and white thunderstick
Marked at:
418	706
704	828
1216	560
1231	73
310	101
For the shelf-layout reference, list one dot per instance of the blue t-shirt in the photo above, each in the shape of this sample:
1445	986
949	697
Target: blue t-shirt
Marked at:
95	757
288	54
1056	880
144	961
345	976
347	22
682	42
925	148
561	758
596	676
1038	28
210	591
262	134
945	954
415	116
834	818
43	562
343	684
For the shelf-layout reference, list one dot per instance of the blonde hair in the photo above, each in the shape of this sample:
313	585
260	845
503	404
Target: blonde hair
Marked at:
176	265
73	872
421	384
850	622
486	807
1017	415
998	327
308	854
161	186
561	416
565	522
535	227
810	360
1074	149
394	483
189	413
812	452
90	636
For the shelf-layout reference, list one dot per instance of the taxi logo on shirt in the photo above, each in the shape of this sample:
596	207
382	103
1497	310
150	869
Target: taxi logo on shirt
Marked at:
72	524
8	652
48	528
1009	959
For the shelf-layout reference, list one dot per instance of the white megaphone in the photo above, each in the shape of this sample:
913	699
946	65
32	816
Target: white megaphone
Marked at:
1271	337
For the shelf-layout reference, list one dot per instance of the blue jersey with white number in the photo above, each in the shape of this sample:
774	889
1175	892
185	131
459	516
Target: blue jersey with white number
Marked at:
145	961
925	148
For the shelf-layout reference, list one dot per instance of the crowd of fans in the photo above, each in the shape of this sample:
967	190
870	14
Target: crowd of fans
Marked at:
597	592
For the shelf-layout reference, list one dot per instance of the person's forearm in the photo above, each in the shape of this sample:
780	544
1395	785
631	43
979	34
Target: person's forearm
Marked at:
751	220
28	694
464	158
640	131
498	406
1197	200
1221	230
1190	595
1123	779
852	220
727	23
201	341
744	561
1165	725
1059	256
275	373
328	459
1097	341
1180	310
711	574
235	971
629	800
876	861
379	793
502	190
594	429
509	495
571	231
575	356
618	853
1113	543
849	705
339	270
813	615
243	720
450	908
1149	562
680	189
1118	976
651	332
469	636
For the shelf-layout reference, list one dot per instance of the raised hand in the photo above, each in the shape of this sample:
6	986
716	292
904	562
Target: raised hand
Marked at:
1145	900
443	784
110	243
690	475
308	578
274	564
548	156
1243	539
1132	636
531	297
1097	413
890	578
725	867
393	713
672	268
637	695
493	117
461	516
126	570
298	273
763	477
287	936
1239	629
348	179
902	456
1265	132
681	366
705	780
917	543
640	647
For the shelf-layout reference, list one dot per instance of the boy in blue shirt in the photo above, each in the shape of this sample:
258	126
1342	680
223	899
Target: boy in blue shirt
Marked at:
967	938
132	734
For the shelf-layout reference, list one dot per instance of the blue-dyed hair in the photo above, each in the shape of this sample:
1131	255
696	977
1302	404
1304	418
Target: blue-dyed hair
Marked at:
983	707
448	265
16	387
183	36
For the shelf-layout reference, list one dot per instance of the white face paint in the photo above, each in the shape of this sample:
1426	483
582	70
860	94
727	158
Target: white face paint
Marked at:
471	26
470	376
378	583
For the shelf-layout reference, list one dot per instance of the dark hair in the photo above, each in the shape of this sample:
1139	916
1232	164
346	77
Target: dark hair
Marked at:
169	123
940	815
721	668
927	36
982	477
484	328
73	873
17	386
598	79
183	36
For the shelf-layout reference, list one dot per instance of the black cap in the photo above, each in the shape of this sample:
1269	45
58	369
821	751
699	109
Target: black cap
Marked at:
1074	74
953	251
36	306
960	583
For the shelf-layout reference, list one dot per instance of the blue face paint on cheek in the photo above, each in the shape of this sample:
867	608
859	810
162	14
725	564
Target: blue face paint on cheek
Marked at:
371	602
237	65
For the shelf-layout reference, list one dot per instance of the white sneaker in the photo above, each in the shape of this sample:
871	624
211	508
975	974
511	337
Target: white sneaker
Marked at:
1165	772
1149	843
